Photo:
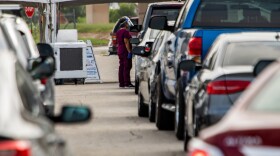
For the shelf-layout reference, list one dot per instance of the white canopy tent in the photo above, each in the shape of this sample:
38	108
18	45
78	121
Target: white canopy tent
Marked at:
48	10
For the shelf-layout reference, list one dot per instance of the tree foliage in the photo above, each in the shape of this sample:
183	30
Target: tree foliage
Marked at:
124	10
69	12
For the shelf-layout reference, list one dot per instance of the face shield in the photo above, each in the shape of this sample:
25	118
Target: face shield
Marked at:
128	21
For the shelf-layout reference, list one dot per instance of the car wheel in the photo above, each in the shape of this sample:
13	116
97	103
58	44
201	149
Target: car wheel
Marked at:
179	111
164	118
186	140
136	89
152	111
142	108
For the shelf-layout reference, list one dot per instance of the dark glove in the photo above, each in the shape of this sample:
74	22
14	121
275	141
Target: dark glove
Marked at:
129	56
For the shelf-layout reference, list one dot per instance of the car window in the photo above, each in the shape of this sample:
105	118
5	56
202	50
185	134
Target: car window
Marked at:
267	100
249	53
238	13
211	56
170	12
27	91
180	19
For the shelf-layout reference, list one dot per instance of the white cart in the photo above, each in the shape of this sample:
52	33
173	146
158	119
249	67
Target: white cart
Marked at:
70	59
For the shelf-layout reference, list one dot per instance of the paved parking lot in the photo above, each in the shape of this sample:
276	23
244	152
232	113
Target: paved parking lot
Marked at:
116	129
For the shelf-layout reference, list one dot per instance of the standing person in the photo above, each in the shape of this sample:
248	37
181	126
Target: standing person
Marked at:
124	53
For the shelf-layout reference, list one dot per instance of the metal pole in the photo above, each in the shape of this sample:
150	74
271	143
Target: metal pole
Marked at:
75	26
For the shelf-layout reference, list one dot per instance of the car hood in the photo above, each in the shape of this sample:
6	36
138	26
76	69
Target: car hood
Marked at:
14	121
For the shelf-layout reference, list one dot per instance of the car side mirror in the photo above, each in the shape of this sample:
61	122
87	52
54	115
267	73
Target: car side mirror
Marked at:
134	41
159	23
135	28
260	66
187	65
43	68
45	50
72	114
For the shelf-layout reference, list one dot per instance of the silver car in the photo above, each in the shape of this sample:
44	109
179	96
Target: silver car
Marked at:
23	44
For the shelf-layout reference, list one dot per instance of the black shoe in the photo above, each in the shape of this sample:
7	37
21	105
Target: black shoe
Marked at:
130	86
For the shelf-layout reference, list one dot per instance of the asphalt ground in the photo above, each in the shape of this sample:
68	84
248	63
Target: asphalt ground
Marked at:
115	129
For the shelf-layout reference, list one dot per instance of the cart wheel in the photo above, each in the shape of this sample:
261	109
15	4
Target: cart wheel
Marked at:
84	81
76	81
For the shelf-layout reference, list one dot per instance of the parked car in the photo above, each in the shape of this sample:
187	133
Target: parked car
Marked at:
147	75
168	9
25	131
18	33
140	62
251	127
226	72
113	46
197	26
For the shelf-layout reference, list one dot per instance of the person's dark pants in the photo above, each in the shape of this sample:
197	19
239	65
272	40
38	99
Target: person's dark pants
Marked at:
124	70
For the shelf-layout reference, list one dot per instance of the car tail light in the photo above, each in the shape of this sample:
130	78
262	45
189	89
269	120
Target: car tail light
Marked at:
114	39
197	147
195	49
227	87
44	81
199	153
15	148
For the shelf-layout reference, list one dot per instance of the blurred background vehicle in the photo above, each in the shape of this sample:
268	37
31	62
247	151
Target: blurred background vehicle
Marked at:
197	26
113	46
25	131
226	72
22	42
251	127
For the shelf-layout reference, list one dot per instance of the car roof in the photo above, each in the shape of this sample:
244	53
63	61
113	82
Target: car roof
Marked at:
168	3
250	36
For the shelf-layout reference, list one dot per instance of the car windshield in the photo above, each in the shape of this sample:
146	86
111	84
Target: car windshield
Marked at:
249	53
267	100
238	13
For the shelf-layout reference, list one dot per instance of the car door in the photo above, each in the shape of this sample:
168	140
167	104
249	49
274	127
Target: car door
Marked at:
52	143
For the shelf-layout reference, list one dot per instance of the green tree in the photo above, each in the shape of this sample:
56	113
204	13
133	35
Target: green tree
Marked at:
125	10
69	12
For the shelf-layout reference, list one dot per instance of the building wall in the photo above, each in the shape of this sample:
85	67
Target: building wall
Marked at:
97	13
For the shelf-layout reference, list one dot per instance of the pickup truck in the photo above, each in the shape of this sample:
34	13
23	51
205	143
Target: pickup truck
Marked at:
197	26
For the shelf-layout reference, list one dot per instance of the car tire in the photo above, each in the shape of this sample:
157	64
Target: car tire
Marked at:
164	118
142	108
186	140
136	89
179	114
152	111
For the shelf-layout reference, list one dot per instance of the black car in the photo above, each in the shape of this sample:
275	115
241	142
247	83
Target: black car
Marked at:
227	71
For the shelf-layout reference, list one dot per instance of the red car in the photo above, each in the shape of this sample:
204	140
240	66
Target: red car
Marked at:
252	126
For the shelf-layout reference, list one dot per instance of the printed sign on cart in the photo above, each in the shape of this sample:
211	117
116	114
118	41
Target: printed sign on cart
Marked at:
92	70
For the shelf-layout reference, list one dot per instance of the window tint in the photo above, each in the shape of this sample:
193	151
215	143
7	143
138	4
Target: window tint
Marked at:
238	13
211	57
249	53
267	100
158	43
170	13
